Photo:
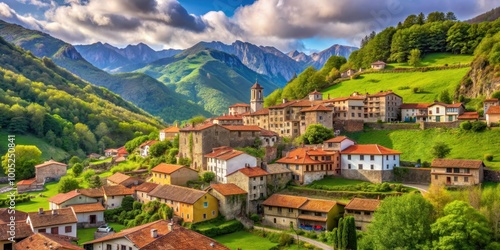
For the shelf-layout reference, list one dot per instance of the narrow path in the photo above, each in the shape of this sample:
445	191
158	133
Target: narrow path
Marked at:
422	188
301	238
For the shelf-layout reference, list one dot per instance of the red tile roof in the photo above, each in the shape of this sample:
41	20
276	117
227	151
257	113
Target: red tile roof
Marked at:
303	156
251	171
267	133
50	162
242	127
228	189
383	93
45	241
491	100
455	105
256	86
92	192
224	153
117	190
363	204
316	108
338	99
315	92
414	105
166	168
184	239
338	139
5	215
148	143
378	63
172	129
177	193
146	187
140	235
315	205
281	200
118	178
369	149
60	198
85	208
22	230
456	163
264	111
27	182
468	116
62	216
198	127
493	110
229	117
239	105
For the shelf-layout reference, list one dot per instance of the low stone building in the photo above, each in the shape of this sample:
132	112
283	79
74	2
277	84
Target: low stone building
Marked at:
232	199
113	195
277	179
171	174
378	65
28	185
50	171
89	215
141	191
362	210
457	172
123	179
57	221
254	181
239	108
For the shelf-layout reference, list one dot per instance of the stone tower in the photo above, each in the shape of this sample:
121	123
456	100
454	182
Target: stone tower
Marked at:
256	97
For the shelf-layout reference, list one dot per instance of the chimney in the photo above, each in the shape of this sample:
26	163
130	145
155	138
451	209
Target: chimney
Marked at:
170	226
40	210
77	191
212	244
154	232
296	157
284	100
54	212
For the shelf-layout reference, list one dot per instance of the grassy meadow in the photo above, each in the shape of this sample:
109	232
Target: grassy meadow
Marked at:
436	60
48	150
245	241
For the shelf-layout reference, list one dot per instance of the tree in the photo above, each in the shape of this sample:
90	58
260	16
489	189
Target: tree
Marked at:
414	58
496	94
88	174
68	183
77	169
445	97
74	159
127	203
451	16
401	221
208	176
439	197
26	157
490	208
440	150
344	237
317	133
196	120
158	149
95	182
461	227
436	16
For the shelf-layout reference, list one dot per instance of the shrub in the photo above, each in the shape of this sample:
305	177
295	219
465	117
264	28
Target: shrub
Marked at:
285	239
488	157
415	90
466	125
300	232
255	218
208	176
478	126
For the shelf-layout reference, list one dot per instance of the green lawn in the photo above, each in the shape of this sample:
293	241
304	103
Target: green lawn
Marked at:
437	59
245	241
102	161
432	83
417	144
87	234
37	202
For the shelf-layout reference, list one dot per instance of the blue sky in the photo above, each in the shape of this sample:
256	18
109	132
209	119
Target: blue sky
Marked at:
305	25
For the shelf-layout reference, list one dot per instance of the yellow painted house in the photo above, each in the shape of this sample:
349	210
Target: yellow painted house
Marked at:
170	174
190	204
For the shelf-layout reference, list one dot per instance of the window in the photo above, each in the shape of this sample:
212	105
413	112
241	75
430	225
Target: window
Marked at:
270	208
254	187
54	230
204	216
466	170
360	166
367	213
205	204
290	210
279	210
362	157
358	228
123	247
317	214
112	197
261	195
372	157
349	166
274	220
349	157
43	230
108	246
187	215
455	178
448	170
68	229
456	170
261	178
254	196
371	166
435	177
394	157
213	212
296	167
466	179
239	133
357	212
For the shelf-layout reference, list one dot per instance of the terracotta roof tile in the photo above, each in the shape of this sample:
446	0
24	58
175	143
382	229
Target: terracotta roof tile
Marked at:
242	127
22	230
5	216
198	127
267	133
50	162
303	156
229	117
455	105
85	208
315	92
44	241
256	86
280	200
27	182
63	216
60	198
363	204
148	143
468	116
414	105
318	205
177	193
277	169
118	178
316	108
122	151
228	189
184	239
264	111
92	192
146	187
312	218
172	129
224	153
239	105
369	149
339	99
166	168
491	100
338	139
117	190
493	110
251	171
456	163
140	235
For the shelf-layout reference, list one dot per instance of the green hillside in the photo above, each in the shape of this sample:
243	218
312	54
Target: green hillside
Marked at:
417	144
436	60
209	78
430	84
48	151
142	90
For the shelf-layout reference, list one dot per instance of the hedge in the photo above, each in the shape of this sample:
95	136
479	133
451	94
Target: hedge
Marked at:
226	228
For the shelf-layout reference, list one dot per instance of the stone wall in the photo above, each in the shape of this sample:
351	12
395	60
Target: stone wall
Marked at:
374	176
412	175
349	125
271	154
393	126
491	175
428	125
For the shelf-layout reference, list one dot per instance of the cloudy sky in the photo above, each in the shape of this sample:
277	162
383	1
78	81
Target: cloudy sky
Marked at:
306	25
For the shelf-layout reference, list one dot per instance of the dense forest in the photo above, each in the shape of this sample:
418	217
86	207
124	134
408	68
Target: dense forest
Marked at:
39	98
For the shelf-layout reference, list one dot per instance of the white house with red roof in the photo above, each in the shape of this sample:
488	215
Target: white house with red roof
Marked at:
369	162
414	112
493	115
169	133
223	161
144	147
442	112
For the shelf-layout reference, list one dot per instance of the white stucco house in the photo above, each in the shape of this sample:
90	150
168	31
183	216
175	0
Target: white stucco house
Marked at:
89	215
57	221
226	160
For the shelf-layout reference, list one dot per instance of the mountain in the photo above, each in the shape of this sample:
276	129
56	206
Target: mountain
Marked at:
113	59
319	59
41	99
491	15
208	77
145	92
299	56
